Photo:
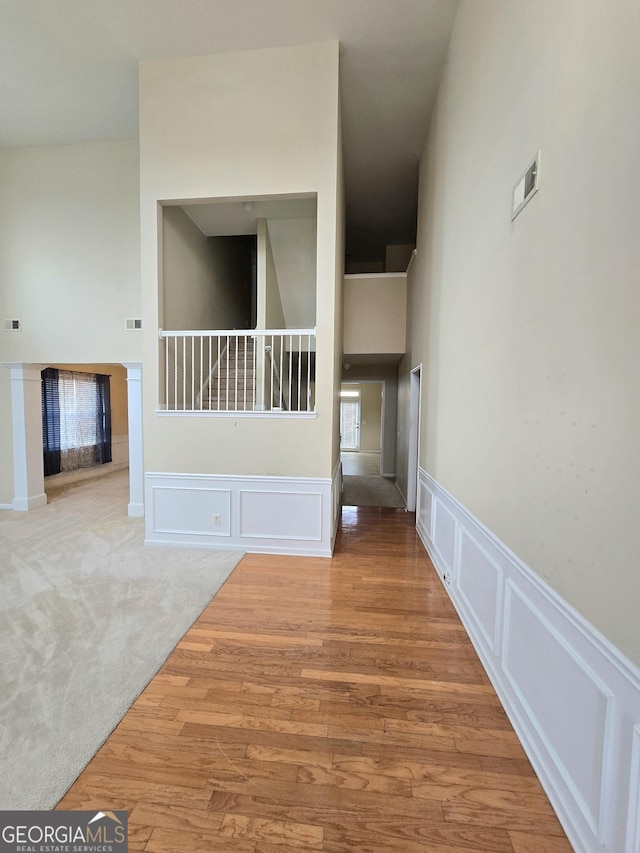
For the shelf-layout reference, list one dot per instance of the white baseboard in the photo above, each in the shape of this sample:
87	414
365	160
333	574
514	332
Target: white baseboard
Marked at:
6	506
64	478
135	510
268	515
26	504
572	697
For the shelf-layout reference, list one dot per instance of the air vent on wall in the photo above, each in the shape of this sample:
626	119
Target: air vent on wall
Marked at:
12	325
131	323
526	187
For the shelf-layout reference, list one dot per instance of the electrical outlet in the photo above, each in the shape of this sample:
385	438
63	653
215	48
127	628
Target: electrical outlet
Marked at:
216	519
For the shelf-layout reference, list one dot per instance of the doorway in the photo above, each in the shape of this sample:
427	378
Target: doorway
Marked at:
350	409
362	439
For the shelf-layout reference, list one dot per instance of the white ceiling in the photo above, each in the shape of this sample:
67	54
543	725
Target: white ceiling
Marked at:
69	72
228	218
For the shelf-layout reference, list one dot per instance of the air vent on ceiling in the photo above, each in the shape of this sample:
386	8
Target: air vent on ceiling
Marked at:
12	325
526	187
131	323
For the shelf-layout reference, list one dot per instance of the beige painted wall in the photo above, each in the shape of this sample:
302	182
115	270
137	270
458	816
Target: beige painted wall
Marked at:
370	414
293	242
270	314
202	283
375	311
338	312
242	125
69	261
357	267
70	252
529	329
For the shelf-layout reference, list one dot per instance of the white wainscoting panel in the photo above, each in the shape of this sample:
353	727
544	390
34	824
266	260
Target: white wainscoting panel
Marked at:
278	515
573	698
179	510
424	511
281	515
479	582
444	535
542	681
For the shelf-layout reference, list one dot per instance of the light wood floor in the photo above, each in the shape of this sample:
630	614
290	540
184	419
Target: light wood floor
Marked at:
332	705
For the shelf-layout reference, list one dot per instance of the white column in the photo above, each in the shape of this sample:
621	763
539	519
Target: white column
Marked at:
26	418
136	462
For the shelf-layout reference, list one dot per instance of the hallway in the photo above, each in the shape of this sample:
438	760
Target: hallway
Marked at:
333	705
362	484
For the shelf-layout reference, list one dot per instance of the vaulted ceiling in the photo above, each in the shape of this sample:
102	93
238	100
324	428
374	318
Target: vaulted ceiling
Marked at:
69	72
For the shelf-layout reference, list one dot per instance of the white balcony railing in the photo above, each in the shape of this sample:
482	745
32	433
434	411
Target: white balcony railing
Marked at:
258	370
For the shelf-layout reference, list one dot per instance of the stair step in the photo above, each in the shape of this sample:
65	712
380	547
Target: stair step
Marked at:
230	407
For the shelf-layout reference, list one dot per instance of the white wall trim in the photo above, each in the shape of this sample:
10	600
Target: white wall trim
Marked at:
32	502
633	811
134	427
206	413
356	275
572	697
26	422
262	514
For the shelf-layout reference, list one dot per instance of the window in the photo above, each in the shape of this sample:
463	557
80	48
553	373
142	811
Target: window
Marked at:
76	420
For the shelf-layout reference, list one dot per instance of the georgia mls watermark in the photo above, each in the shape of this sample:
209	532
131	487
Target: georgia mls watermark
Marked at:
63	832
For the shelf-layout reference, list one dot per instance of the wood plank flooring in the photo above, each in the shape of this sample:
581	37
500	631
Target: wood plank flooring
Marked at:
332	705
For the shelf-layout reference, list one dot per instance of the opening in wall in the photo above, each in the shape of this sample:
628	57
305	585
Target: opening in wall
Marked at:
84	420
238	305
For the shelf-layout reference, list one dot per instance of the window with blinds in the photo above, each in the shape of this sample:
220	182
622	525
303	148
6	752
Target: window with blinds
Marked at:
76	420
79	409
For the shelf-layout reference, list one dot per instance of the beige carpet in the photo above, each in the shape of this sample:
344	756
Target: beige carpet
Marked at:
370	491
360	463
87	617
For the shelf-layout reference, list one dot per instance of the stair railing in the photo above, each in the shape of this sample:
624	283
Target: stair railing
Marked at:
278	401
258	370
208	382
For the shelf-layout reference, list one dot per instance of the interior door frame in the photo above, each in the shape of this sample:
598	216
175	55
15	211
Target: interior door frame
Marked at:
415	406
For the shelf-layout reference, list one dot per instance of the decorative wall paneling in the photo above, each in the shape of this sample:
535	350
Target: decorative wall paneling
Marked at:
278	515
572	697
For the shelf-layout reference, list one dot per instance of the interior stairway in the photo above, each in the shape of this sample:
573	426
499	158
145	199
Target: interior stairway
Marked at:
232	384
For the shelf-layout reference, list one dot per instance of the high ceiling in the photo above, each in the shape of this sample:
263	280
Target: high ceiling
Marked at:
69	72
